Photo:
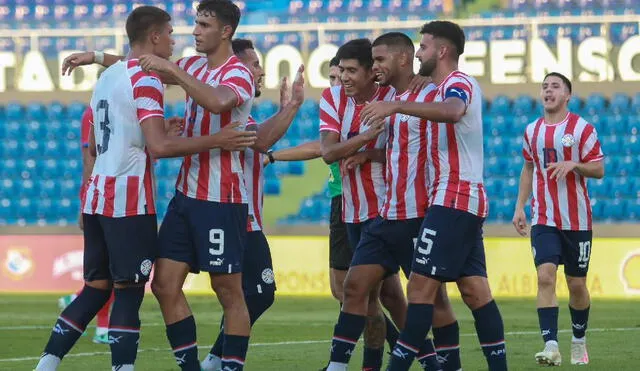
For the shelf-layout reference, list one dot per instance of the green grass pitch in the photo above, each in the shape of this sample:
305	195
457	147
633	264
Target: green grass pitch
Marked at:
294	335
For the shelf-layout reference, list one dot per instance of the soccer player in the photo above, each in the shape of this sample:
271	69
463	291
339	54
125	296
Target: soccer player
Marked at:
561	151
388	242
120	227
450	246
205	228
343	135
257	271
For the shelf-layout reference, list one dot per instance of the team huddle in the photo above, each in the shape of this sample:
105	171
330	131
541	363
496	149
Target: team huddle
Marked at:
408	150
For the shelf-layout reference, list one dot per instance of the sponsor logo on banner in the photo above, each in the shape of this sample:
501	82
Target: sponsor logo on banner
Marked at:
69	263
630	273
17	263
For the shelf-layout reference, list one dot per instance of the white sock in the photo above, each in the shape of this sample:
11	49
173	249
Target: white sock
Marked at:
48	362
100	331
551	343
122	368
211	363
580	340
335	366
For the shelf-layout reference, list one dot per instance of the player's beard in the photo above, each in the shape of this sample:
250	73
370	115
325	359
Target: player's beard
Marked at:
427	67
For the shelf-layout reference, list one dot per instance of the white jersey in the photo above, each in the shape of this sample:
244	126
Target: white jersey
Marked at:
122	179
215	175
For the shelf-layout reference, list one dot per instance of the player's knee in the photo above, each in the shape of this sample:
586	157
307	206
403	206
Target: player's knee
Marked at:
355	290
546	279
577	286
162	290
391	294
228	293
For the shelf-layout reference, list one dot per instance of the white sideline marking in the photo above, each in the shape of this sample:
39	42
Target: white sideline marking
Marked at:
303	342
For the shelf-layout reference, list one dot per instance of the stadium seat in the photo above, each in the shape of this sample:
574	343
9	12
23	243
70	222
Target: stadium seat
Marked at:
296	168
619	103
598	188
500	105
575	104
523	105
615	125
631	145
595	104
272	187
613	210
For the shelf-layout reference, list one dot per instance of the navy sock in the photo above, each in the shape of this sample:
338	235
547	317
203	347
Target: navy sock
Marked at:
234	351
372	359
548	319
427	357
182	338
392	332
256	305
412	337
579	320
490	331
345	336
74	319
124	325
447	342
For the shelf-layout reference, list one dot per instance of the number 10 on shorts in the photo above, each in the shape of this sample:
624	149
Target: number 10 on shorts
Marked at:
216	238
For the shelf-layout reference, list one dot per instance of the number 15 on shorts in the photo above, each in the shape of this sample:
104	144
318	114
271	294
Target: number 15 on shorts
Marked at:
424	247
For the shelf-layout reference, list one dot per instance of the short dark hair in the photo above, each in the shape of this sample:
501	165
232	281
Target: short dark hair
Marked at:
226	11
334	61
358	49
241	45
446	30
562	77
395	39
142	20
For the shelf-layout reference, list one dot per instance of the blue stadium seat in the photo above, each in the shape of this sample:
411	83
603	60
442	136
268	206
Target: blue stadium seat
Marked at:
631	145
612	163
598	188
296	168
510	187
627	165
75	110
272	187
611	144
596	103
36	111
613	210
633	124
35	130
620	186
615	125
575	104
14	111
56	111
7	188
500	105
619	103
71	148
25	208
523	105
27	188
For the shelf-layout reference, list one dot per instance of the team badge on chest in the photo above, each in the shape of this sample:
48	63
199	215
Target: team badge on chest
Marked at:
568	140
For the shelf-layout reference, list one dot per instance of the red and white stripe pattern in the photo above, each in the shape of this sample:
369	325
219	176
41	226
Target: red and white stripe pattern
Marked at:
363	186
122	180
254	181
561	203
406	183
215	175
456	150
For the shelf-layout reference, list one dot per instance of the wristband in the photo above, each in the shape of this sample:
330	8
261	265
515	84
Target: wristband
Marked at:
270	155
98	57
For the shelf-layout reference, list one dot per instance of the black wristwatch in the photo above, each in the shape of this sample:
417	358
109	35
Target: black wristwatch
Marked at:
270	155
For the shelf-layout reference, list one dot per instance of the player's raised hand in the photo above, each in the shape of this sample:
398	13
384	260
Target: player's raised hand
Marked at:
418	83
150	62
376	111
520	222
559	170
76	60
297	89
174	126
232	139
285	94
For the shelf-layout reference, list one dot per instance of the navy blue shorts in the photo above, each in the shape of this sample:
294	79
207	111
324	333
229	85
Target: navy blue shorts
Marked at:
389	243
354	232
571	248
257	267
121	250
209	236
450	245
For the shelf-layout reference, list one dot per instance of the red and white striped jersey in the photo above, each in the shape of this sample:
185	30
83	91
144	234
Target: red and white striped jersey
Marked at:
456	150
215	175
122	178
561	203
254	180
406	183
363	186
